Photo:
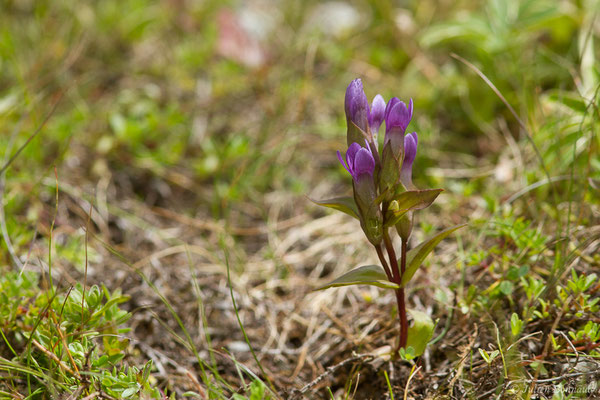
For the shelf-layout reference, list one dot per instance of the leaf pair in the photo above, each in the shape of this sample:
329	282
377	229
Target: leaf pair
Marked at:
375	275
406	201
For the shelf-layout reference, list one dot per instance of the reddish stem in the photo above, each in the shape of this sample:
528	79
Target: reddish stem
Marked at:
384	263
397	274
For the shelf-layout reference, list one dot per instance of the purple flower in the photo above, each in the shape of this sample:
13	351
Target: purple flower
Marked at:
359	160
410	152
397	117
356	105
357	109
376	114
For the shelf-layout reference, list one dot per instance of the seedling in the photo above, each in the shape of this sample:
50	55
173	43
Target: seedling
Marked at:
385	198
489	357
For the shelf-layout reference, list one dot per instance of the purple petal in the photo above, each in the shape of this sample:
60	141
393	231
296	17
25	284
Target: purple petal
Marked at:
410	152
352	92
342	161
363	163
356	104
351	153
393	101
410	149
377	113
399	116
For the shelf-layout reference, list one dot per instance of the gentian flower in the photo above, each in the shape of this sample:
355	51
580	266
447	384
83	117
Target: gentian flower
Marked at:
397	117
376	114
359	160
358	113
360	163
356	105
410	152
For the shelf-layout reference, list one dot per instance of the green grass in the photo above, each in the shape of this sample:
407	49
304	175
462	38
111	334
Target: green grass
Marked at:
132	110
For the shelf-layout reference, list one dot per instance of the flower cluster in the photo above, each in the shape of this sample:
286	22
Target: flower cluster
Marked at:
374	175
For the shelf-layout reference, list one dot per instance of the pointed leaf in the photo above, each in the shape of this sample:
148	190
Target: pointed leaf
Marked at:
415	257
366	275
412	200
420	333
343	204
417	199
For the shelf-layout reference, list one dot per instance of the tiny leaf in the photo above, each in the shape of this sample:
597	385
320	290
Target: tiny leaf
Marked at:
420	333
415	257
484	355
343	204
365	275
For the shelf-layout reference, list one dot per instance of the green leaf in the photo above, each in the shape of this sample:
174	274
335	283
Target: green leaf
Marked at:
410	201
366	275
516	324
415	257
343	204
420	333
416	199
484	355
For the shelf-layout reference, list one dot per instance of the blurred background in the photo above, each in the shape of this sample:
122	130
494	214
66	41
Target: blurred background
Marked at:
194	130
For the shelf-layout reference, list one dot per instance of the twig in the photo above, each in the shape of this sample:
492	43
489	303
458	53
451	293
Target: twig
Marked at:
54	357
296	393
413	372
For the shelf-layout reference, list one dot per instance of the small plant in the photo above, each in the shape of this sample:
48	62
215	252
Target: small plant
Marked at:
489	357
54	343
385	198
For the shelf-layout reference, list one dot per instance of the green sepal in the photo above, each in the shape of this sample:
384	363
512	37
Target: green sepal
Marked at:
371	220
344	204
420	333
410	201
355	134
415	257
366	275
389	175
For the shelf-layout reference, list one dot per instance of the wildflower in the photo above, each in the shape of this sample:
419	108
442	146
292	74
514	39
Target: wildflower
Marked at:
356	105
376	114
359	160
360	163
360	115
410	152
397	117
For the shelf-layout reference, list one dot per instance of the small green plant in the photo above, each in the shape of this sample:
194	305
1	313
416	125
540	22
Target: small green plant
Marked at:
516	324
385	198
489	357
54	343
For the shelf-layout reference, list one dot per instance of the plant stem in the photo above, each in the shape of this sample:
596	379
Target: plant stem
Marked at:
384	263
392	255
397	273
403	321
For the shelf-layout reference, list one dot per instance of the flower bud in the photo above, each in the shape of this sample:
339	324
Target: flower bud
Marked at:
404	226
410	152
397	117
363	122
356	106
376	114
